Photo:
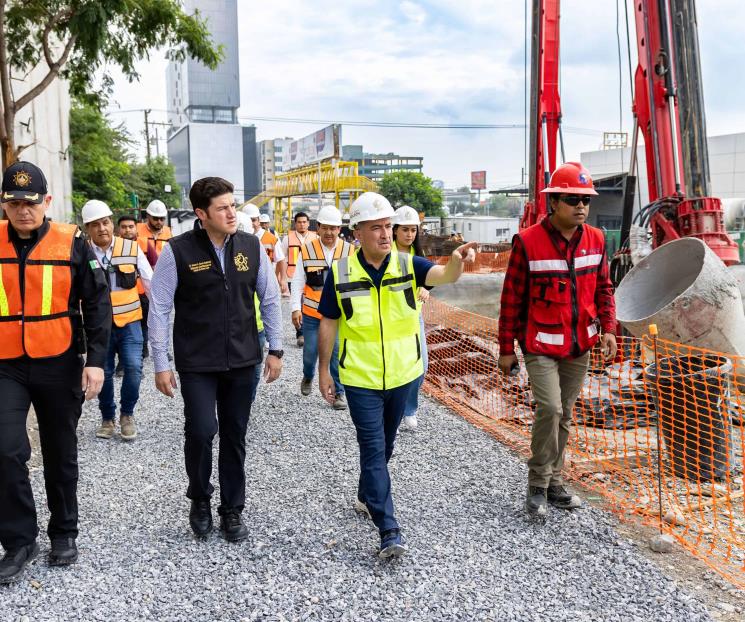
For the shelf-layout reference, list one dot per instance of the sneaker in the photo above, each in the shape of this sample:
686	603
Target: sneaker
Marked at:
200	517
300	341
306	386
106	429
340	402
128	427
64	552
535	502
232	526
409	423
392	544
361	508
560	497
15	561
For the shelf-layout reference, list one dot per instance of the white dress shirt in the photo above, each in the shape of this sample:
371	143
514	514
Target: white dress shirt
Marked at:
145	272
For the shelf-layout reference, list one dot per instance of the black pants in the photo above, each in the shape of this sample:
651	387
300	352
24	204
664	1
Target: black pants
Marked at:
145	304
53	387
231	391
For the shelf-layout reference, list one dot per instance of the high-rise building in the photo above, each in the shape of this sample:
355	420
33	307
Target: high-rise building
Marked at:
375	165
205	138
272	156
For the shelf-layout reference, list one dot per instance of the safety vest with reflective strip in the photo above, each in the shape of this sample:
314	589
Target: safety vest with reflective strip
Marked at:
36	323
125	303
562	317
144	236
268	240
259	321
316	269
294	246
379	327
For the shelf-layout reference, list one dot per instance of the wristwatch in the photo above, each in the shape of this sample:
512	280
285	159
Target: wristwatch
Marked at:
278	353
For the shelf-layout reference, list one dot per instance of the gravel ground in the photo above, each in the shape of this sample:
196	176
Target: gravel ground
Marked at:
474	556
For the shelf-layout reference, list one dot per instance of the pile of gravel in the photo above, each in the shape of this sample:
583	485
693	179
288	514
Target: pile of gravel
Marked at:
459	494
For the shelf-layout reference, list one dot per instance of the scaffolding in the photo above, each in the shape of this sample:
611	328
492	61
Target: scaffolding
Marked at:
340	178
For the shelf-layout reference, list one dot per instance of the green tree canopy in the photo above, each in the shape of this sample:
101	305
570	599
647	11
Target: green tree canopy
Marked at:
148	181
82	41
413	189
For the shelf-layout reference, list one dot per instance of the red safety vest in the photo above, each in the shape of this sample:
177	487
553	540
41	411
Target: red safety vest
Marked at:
561	308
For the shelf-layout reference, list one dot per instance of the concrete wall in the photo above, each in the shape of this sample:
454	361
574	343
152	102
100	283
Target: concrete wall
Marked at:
477	293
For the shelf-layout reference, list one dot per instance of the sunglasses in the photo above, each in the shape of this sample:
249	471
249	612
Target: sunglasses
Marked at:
573	200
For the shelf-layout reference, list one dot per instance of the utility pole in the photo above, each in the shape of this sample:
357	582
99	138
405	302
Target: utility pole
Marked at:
147	134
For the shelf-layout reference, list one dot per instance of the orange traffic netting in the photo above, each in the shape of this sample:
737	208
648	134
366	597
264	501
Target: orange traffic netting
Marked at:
485	263
614	449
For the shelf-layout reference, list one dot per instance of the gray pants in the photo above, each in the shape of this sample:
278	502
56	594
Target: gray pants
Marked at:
555	385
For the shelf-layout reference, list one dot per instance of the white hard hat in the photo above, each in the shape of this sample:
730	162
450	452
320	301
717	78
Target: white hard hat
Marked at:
329	215
406	215
244	222
369	206
251	211
93	210
264	218
157	209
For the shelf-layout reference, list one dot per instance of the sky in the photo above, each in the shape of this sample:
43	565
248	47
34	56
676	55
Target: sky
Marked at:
442	61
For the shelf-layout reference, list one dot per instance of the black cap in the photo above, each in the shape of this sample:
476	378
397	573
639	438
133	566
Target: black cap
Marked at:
23	181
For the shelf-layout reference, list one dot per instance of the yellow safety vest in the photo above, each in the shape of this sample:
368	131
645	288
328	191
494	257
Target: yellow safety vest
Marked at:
378	328
259	321
125	303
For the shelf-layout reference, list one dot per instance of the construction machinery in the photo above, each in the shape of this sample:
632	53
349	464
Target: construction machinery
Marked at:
669	113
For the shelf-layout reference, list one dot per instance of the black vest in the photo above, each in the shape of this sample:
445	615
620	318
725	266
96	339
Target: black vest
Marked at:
215	324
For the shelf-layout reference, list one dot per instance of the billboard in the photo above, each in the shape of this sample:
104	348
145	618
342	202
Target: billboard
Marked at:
318	146
478	180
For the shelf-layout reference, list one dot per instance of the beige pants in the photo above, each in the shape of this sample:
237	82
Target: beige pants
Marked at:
555	385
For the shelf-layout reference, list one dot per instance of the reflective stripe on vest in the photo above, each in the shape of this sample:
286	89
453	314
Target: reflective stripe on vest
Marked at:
378	328
39	324
294	249
125	303
259	321
314	262
562	317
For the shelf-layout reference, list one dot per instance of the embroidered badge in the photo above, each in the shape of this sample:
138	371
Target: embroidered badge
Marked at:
200	266
21	179
241	262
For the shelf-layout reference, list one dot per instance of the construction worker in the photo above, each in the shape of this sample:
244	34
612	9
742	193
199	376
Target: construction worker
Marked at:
557	301
291	245
270	243
370	299
126	227
406	238
48	276
152	235
209	276
123	262
316	258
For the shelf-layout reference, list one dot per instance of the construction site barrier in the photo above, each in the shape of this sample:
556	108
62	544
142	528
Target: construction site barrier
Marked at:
659	437
485	263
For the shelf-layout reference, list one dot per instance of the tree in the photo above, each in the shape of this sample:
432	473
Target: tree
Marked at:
413	189
99	157
81	40
148	182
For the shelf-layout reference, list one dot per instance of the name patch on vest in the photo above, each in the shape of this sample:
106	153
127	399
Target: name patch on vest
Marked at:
241	262
200	266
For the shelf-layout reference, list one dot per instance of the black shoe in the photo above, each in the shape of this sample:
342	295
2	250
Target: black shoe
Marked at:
200	517
536	502
232	527
559	497
15	560
64	552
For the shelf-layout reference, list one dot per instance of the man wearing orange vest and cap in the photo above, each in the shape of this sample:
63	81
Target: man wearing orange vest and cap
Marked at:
316	259
557	302
123	262
291	245
152	235
52	290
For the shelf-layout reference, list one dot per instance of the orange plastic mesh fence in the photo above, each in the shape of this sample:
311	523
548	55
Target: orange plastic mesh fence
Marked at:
613	449
485	263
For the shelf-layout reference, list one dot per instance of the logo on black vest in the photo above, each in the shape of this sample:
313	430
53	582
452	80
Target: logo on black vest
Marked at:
241	262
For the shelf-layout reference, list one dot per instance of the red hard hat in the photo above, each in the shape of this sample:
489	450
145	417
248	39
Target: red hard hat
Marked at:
571	178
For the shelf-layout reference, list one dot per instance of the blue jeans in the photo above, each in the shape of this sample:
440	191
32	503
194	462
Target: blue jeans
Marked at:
376	416
127	342
412	403
259	365
310	352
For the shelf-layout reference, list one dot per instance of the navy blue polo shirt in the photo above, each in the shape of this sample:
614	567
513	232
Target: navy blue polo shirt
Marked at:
329	307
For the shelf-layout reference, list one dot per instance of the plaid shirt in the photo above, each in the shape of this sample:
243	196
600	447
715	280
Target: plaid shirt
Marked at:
513	314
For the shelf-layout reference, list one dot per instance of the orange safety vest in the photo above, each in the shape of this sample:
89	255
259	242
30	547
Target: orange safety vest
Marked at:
36	323
144	235
268	240
316	269
125	302
294	246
